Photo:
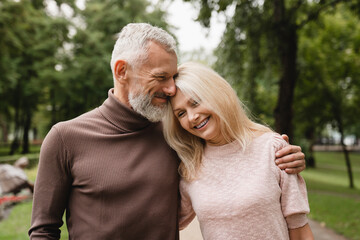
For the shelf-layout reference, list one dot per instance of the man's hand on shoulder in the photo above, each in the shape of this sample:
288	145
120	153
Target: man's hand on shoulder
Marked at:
290	158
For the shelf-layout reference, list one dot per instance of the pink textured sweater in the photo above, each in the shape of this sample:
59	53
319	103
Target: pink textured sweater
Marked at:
244	195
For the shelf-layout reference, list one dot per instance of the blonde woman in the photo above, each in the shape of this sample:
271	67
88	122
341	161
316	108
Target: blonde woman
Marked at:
229	176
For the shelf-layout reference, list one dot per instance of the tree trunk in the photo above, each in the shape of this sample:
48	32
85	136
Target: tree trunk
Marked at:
310	160
27	125
337	113
288	53
15	143
4	129
311	138
346	153
286	37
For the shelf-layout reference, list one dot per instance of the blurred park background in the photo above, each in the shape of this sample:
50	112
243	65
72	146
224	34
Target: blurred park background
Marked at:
294	63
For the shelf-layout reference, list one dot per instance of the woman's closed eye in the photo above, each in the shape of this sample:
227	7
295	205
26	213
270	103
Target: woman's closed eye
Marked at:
180	114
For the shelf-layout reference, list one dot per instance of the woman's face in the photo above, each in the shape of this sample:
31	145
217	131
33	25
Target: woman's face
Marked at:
198	120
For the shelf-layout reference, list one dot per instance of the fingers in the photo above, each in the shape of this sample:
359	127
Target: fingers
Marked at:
289	151
285	137
295	170
292	160
295	164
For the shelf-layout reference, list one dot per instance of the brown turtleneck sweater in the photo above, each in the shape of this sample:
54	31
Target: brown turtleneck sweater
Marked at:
113	173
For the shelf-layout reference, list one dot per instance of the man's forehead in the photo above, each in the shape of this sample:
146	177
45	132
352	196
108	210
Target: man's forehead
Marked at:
155	49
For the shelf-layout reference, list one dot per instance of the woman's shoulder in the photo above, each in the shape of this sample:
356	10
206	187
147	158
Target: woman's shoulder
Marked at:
272	138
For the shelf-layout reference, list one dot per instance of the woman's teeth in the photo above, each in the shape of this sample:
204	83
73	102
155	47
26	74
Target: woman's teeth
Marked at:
202	124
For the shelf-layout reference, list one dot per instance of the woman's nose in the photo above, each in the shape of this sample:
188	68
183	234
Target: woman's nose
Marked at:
193	116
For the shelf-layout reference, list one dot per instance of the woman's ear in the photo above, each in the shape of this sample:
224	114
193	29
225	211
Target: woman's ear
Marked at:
120	70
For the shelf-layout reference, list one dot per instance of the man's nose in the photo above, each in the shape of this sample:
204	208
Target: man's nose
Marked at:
170	88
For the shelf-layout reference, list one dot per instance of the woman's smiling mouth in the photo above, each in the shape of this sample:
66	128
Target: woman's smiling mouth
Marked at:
203	123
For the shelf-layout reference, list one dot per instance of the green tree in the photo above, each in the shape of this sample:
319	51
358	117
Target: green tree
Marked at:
329	81
85	75
261	44
56	60
30	39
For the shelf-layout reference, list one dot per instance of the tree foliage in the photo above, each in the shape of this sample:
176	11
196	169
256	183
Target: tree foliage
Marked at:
28	43
55	62
291	58
260	45
85	74
329	80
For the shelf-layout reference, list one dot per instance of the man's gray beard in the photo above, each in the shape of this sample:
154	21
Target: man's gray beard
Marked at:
141	104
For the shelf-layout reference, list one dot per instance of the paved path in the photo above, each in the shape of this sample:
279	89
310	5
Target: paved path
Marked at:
192	232
322	233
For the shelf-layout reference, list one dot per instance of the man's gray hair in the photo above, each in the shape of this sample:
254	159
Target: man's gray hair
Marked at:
132	43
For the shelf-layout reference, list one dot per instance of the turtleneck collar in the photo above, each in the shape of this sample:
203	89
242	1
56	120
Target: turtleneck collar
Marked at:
122	116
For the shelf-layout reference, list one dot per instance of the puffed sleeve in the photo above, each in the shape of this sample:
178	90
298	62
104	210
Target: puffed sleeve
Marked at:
186	212
52	186
294	200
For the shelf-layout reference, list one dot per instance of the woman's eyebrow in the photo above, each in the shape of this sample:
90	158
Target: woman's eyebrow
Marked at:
179	108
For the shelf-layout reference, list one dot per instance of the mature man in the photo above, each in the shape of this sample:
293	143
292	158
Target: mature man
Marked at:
110	168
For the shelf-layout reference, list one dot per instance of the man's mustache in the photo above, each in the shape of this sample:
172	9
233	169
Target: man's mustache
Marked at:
160	95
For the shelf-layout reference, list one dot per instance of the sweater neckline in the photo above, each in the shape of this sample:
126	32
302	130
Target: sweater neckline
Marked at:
122	116
213	151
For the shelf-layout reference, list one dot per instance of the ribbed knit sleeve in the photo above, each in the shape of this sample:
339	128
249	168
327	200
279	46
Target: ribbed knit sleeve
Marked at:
294	201
186	212
52	188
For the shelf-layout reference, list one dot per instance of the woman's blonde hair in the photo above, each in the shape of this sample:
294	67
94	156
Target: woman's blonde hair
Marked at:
207	87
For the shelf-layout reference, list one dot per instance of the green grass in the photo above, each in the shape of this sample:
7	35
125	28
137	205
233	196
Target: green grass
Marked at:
331	200
4	150
31	173
16	226
33	156
13	158
336	212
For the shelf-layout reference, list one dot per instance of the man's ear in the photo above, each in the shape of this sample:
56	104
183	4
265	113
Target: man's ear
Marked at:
120	69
